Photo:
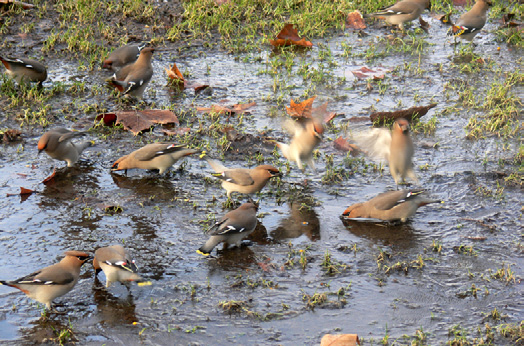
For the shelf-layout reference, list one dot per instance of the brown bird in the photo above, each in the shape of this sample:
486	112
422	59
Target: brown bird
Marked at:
471	22
27	70
115	263
390	206
243	180
395	146
51	282
401	12
57	144
159	156
232	228
123	56
307	135
132	79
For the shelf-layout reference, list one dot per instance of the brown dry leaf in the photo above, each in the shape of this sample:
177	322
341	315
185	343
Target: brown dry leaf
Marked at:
340	340
365	73
50	179
342	144
235	109
408	114
444	18
289	36
303	109
10	135
331	116
23	192
423	24
508	21
138	121
355	20
462	2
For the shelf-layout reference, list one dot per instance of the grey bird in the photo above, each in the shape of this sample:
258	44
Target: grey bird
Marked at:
401	12
307	135
54	281
123	56
116	265
243	180
390	206
27	70
132	79
232	228
471	22
58	144
395	146
159	156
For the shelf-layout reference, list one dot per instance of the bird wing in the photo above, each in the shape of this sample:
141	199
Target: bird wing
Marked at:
402	7
224	227
115	256
127	264
52	275
375	142
158	150
70	135
237	176
388	200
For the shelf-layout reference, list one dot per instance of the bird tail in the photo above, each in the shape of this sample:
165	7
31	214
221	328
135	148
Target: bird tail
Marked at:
217	166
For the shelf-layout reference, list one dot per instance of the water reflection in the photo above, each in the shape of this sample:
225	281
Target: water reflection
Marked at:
401	234
113	310
302	219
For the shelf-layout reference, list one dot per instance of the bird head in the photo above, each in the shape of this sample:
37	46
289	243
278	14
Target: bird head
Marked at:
401	125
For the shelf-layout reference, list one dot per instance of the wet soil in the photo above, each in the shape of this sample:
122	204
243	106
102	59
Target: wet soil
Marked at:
383	279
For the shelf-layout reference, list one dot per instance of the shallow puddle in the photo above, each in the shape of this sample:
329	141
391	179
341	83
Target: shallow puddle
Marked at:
380	278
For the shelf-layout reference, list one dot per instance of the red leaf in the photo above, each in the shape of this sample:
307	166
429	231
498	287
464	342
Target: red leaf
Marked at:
355	20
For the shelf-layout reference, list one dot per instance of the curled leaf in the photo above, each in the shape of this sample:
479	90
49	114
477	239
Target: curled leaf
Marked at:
355	20
408	114
289	36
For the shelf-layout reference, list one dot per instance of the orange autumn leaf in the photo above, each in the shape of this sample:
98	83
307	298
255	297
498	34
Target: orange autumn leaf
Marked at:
50	178
303	109
289	36
355	20
24	191
176	77
235	109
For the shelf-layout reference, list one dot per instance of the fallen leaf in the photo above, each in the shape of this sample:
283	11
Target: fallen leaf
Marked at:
507	20
423	24
289	36
10	135
355	20
444	18
342	144
49	179
235	109
198	87
340	340
408	114
138	121
365	73
23	192
303	109
331	116
176	77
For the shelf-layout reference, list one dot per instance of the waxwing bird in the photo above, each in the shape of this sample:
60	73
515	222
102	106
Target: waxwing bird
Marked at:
243	180
115	263
54	281
232	228
27	70
132	79
401	12
123	56
395	146
390	206
307	135
58	144
159	156
471	22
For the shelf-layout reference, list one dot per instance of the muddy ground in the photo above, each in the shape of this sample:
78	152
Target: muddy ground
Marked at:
451	273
